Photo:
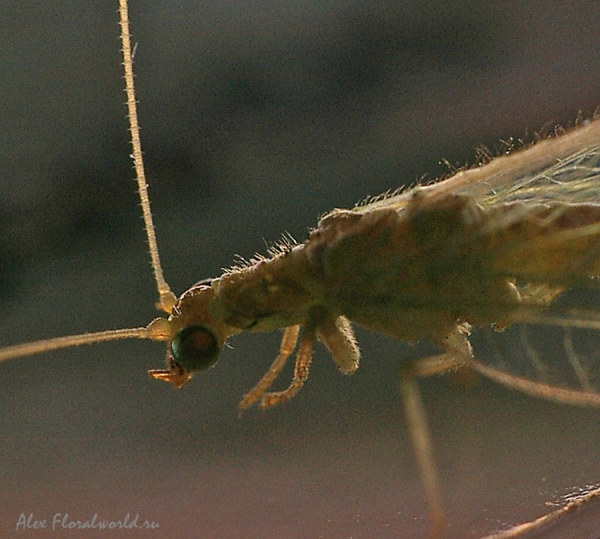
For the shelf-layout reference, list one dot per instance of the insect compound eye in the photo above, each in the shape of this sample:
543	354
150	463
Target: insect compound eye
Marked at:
195	348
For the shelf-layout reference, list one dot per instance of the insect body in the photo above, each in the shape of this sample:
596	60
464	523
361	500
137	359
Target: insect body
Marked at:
425	264
493	245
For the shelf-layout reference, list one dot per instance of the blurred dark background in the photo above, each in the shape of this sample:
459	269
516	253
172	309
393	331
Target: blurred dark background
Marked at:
257	118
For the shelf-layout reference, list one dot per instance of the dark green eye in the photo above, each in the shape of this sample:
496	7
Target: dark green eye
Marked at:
195	348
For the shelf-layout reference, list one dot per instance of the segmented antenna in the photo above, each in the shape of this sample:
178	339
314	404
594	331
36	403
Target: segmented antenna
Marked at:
167	298
158	329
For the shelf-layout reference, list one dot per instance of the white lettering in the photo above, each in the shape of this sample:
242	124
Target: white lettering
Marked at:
29	523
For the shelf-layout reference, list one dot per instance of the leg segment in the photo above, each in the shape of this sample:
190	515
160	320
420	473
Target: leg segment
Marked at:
458	354
288	343
423	446
337	335
301	369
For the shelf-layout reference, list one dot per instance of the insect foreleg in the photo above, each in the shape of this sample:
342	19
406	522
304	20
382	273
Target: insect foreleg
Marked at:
301	369
337	335
288	343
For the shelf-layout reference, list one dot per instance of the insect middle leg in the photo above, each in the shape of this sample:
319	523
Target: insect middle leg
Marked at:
458	353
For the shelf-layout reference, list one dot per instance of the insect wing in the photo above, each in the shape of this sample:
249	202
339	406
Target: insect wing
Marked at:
562	168
550	347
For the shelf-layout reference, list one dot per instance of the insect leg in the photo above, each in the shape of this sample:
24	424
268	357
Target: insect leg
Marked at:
458	353
303	361
544	522
337	335
423	446
288	343
549	392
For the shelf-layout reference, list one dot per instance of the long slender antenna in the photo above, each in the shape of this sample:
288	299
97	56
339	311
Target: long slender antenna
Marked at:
167	298
159	329
37	347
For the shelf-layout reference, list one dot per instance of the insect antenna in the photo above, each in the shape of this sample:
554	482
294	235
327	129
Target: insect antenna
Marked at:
158	329
166	297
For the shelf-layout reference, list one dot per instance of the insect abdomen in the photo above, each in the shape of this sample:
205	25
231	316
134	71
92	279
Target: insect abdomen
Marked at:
549	243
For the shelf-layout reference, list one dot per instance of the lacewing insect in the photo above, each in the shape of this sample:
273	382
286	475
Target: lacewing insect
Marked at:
499	244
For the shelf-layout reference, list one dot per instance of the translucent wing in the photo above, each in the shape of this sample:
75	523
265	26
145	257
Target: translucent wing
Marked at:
562	361
551	346
563	168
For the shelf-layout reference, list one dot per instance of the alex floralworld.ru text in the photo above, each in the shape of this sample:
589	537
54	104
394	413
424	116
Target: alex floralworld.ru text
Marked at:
62	521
